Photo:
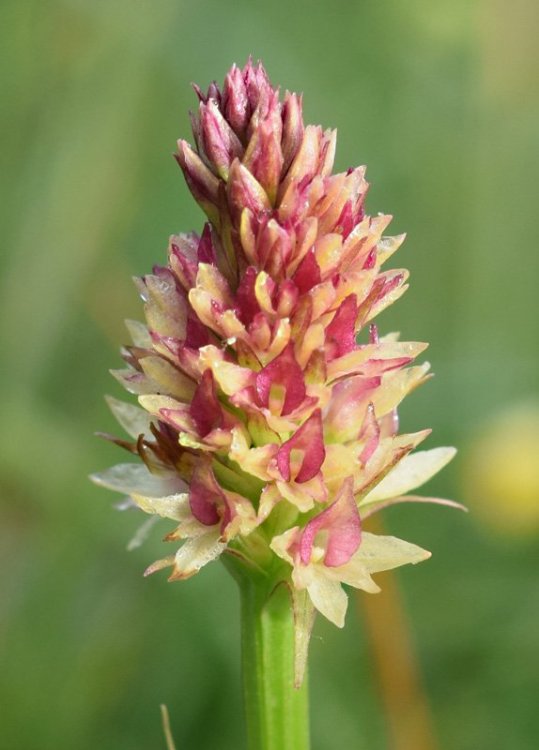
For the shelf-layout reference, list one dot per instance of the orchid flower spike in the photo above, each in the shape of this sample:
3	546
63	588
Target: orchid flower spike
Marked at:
267	433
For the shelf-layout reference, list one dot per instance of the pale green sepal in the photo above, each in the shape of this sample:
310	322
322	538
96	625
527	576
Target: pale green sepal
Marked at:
412	471
304	615
134	420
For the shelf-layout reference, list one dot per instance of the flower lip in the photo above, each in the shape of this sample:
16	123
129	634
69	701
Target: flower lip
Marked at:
341	523
283	371
308	441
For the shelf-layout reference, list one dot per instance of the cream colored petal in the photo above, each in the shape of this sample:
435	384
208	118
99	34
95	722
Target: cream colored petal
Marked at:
232	326
387	454
254	461
182	419
327	596
263	284
357	282
412	471
282	543
165	562
328	251
175	506
211	280
195	553
355	574
202	303
388	245
356	360
391	297
396	385
377	553
279	341
297	494
313	338
244	519
341	461
322	298
154	402
230	377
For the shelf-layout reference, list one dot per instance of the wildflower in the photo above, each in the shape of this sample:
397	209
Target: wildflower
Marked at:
266	430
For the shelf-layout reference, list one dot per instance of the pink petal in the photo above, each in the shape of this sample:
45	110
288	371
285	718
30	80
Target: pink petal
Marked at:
264	157
257	85
341	332
182	259
310	440
235	102
346	220
202	183
347	407
274	246
220	142
342	523
293	127
285	371
244	191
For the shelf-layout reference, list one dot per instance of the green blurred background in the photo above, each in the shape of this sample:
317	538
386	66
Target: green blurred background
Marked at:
440	100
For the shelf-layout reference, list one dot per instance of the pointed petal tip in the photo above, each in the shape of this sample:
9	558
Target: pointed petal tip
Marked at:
159	565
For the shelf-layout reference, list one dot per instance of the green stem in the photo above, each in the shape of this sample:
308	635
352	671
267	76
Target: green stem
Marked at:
277	713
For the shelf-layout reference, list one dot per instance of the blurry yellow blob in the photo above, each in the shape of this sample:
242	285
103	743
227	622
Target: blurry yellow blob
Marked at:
501	473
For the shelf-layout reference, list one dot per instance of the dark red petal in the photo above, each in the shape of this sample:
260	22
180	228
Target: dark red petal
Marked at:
308	273
206	250
205	408
205	496
196	333
246	302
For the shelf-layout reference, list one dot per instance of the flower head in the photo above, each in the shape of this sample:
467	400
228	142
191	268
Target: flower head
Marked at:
267	431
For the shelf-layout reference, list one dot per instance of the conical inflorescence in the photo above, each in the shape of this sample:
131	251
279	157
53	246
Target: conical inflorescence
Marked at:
265	430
